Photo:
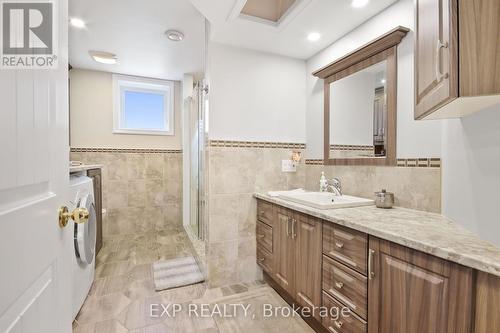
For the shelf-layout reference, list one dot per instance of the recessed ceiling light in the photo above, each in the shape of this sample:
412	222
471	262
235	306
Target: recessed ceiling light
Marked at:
104	57
174	35
359	3
77	23
313	36
383	81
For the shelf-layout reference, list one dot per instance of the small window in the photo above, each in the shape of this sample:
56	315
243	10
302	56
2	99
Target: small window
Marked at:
143	106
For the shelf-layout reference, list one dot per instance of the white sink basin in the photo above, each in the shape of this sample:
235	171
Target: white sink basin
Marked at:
326	200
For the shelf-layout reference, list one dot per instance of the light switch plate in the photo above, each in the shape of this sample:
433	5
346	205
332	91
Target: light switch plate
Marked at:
288	166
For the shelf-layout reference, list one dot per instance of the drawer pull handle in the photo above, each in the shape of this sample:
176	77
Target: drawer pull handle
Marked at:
331	329
338	324
339	285
261	236
262	259
371	273
339	245
262	212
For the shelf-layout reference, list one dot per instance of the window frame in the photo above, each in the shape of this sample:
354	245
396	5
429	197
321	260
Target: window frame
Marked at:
122	83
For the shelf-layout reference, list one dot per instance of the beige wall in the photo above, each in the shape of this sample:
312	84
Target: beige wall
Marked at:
236	173
414	188
91	115
142	192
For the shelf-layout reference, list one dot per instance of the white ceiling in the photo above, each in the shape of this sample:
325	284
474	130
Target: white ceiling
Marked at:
134	31
332	18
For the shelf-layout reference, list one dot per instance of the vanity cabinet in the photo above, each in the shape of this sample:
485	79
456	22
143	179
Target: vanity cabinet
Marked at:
297	256
457	57
265	236
307	260
285	255
96	176
409	291
388	288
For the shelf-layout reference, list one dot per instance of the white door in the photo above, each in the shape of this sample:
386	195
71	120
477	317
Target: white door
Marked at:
35	274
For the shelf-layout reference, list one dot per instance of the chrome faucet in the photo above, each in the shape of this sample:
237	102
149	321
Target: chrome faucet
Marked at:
335	186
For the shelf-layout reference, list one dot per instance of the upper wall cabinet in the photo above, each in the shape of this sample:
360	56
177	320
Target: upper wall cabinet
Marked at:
457	57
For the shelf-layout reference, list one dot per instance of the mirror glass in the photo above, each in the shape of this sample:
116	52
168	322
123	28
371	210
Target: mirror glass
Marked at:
358	114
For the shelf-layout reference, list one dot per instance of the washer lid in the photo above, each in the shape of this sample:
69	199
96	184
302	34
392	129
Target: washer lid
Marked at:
85	233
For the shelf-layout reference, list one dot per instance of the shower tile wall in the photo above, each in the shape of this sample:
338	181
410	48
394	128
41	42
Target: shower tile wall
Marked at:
142	192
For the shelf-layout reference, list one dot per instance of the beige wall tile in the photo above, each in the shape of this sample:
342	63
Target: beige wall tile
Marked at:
234	175
134	191
117	194
136	166
155	164
415	188
222	259
117	166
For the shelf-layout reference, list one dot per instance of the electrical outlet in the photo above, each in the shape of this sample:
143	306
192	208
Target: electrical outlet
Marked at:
288	166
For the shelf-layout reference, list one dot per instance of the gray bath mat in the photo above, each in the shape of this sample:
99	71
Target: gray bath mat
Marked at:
175	273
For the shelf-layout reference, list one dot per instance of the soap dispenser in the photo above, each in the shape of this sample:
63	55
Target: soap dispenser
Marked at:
323	183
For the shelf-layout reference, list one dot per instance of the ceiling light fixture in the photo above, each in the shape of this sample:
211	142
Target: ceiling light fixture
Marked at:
104	57
383	81
359	3
313	36
77	23
174	35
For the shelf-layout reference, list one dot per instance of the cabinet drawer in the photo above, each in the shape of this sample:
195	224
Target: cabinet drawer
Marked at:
265	260
348	324
265	212
346	285
265	236
348	246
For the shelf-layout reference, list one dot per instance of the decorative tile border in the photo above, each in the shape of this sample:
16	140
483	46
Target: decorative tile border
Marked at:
256	144
125	150
351	147
314	162
419	162
401	162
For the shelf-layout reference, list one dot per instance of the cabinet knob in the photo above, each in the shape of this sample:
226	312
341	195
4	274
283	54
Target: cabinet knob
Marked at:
338	323
339	285
339	245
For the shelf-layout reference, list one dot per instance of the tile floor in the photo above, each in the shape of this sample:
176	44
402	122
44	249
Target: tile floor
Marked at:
123	291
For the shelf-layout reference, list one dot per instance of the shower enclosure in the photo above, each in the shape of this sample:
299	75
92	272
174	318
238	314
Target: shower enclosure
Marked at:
198	112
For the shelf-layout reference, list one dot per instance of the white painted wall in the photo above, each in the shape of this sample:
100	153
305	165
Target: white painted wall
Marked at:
471	177
91	115
414	139
351	110
256	96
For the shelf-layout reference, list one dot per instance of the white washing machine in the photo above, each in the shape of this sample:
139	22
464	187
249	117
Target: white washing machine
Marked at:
82	195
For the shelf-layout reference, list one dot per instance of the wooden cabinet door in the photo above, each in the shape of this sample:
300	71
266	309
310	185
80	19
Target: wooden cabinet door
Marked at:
436	55
284	251
96	176
413	292
307	232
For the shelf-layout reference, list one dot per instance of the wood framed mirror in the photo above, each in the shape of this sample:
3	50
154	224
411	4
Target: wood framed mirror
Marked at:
360	104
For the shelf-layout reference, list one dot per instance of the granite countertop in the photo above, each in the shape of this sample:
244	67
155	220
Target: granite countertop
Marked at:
427	232
84	167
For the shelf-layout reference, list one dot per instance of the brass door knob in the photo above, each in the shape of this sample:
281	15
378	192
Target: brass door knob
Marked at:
79	215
